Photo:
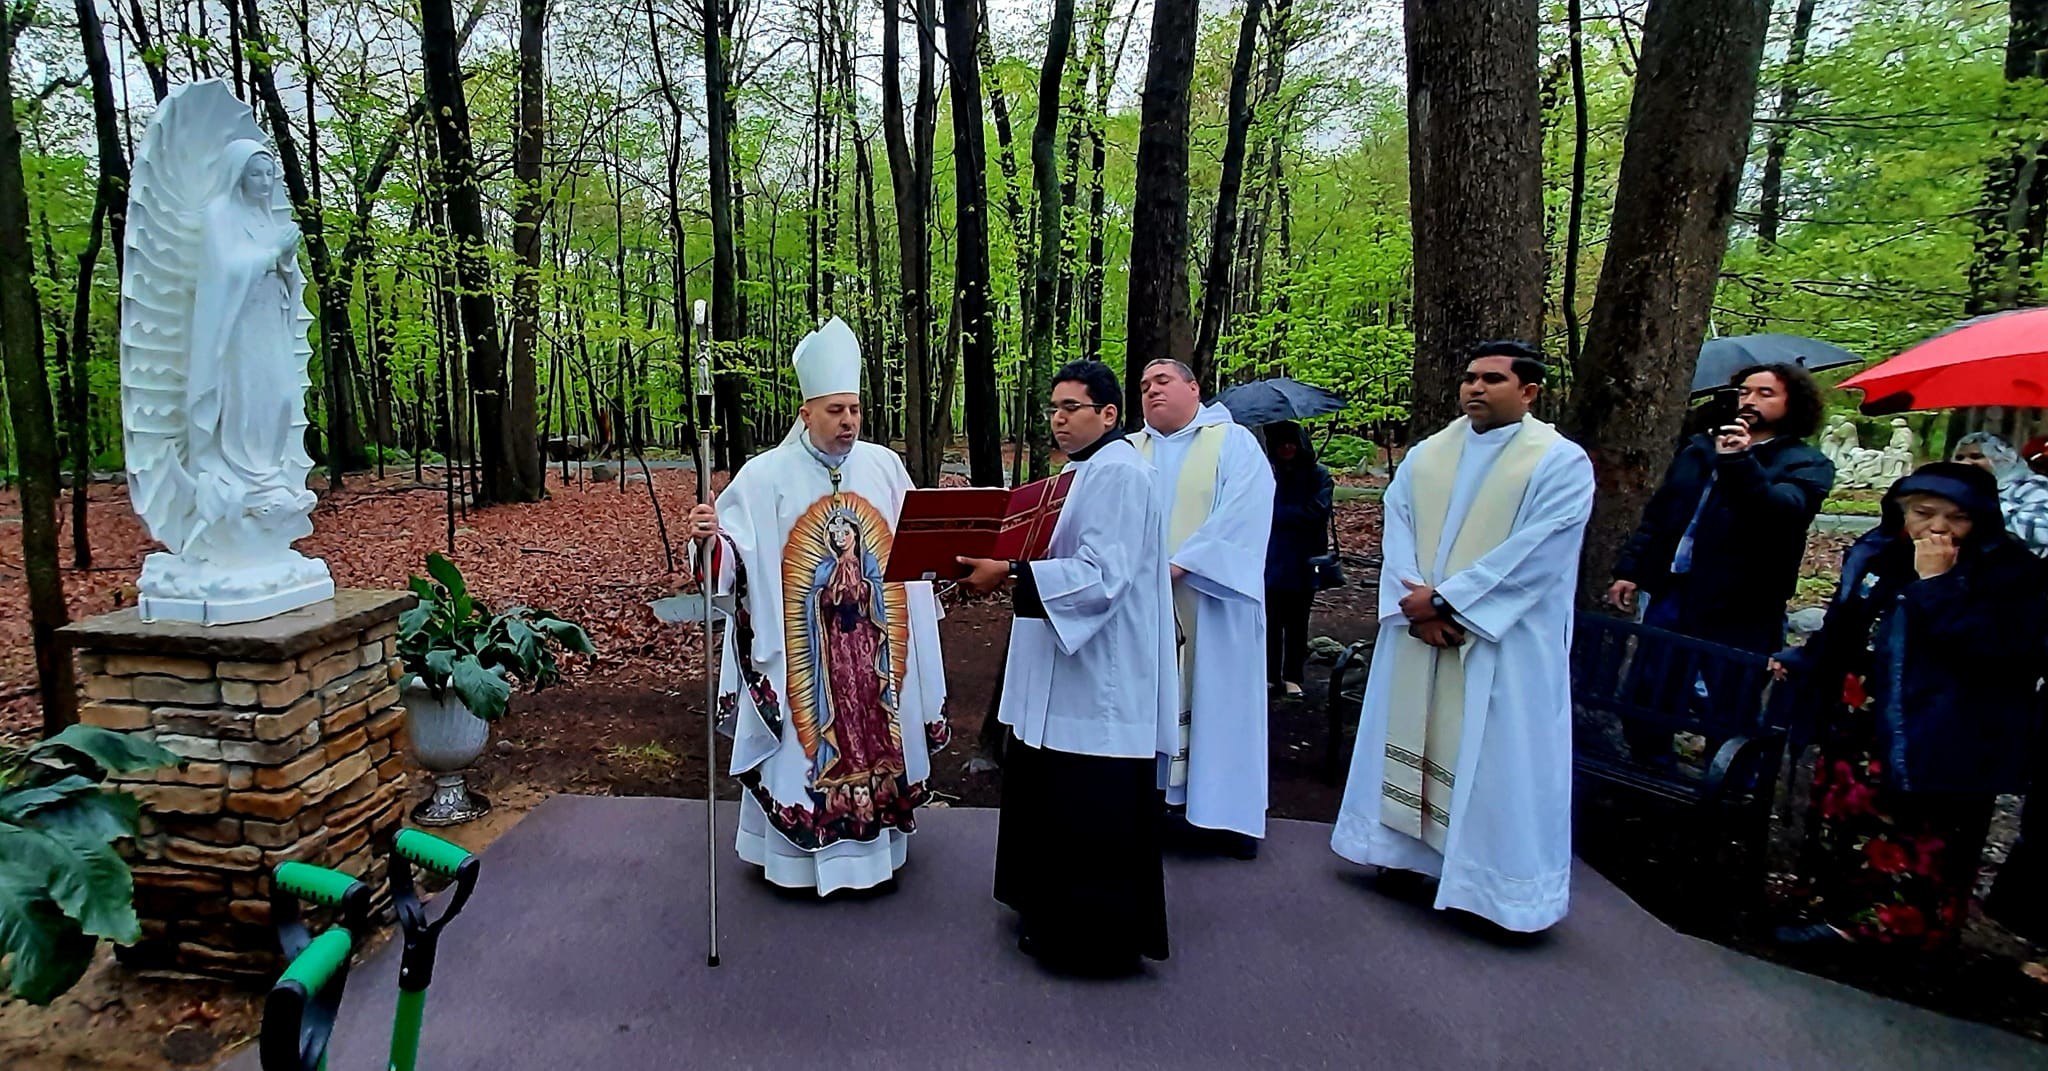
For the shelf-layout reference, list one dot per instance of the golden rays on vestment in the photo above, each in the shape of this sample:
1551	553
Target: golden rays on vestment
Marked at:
810	545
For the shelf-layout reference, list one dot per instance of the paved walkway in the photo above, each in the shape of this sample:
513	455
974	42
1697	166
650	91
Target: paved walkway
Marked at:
584	948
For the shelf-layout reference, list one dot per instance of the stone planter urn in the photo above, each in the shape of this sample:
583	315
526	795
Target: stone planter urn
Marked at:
446	739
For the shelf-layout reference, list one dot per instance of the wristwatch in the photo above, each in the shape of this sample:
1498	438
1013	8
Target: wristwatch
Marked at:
1442	608
1015	567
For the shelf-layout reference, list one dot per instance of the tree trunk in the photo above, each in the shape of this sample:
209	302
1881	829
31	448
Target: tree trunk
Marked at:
1681	169
1475	175
1045	170
110	201
1223	225
911	178
1013	204
735	437
28	401
1070	188
1576	207
1105	78
2009	232
441	63
1157	320
970	220
875	357
337	331
148	52
525	480
1770	199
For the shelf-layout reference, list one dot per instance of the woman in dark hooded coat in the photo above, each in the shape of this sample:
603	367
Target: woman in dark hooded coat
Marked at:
1302	491
1928	661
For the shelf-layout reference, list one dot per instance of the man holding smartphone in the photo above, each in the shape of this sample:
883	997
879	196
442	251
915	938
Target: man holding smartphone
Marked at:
1720	544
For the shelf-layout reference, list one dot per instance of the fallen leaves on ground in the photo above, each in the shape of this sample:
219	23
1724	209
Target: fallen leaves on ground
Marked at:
590	552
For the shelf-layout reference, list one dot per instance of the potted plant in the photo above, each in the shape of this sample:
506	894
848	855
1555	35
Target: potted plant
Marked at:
63	886
461	661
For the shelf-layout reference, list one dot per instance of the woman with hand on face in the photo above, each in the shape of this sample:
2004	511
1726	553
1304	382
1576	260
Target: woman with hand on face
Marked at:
1927	666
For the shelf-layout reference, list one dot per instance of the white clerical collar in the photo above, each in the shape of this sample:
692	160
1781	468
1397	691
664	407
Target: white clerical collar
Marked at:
1195	423
1493	436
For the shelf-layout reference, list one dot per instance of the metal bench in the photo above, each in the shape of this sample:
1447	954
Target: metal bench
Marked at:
1657	686
1660	685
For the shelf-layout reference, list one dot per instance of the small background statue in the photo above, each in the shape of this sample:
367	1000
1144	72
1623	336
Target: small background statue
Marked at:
213	368
1839	440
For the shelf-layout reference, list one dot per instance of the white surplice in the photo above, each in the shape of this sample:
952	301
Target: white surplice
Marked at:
1225	560
1095	675
825	806
1507	853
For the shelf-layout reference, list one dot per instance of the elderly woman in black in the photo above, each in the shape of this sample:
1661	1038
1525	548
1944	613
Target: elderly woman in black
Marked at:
1301	526
1928	659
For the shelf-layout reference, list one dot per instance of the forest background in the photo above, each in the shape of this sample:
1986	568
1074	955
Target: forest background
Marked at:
512	206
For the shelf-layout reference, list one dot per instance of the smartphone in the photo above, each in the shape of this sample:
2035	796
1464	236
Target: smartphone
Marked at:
1719	410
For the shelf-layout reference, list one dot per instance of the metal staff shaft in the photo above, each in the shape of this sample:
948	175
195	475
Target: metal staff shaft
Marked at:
710	652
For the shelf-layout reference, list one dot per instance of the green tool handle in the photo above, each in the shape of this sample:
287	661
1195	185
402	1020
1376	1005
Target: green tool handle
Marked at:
405	1029
429	852
298	1016
315	967
316	884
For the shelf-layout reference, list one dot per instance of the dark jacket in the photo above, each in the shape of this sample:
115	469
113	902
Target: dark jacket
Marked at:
1302	491
1952	661
1750	540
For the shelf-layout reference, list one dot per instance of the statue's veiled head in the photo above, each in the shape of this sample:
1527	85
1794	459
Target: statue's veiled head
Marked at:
248	172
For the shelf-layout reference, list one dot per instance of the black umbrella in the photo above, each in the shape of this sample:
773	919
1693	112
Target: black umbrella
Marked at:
1721	358
1269	400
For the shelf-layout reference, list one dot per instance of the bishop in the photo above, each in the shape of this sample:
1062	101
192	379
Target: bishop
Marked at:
832	677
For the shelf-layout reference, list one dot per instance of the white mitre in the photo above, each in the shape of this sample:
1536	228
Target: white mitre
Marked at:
828	361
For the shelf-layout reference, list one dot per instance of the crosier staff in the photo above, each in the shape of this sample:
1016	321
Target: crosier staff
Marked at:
704	550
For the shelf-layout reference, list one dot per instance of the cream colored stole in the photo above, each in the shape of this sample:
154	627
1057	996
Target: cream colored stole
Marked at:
1194	495
1426	698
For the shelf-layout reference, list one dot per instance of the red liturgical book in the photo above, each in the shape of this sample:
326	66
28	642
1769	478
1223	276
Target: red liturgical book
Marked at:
938	525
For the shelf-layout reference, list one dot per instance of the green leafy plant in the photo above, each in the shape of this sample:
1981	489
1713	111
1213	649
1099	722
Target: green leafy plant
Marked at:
452	642
62	884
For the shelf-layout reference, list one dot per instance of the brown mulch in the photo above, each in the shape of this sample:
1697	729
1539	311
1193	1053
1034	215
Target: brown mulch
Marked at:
590	552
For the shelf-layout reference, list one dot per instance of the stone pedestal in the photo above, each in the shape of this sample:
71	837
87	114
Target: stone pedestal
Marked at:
290	728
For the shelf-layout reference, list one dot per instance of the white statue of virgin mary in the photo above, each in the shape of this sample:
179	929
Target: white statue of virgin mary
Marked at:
213	368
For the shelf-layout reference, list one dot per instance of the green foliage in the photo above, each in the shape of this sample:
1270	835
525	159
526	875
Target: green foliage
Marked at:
63	886
1344	452
1904	107
450	641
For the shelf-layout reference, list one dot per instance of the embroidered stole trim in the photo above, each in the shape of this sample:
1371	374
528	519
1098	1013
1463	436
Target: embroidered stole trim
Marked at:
1426	700
1194	496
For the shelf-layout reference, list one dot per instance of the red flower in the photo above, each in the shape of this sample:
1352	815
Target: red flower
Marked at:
1884	856
1927	851
1905	920
1853	694
1858	799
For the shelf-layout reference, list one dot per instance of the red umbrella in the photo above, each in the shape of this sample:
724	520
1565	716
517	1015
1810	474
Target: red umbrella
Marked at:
2000	359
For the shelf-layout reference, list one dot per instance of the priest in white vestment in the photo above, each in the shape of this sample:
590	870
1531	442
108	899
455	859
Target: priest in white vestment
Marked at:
1088	699
1218	491
1463	767
831	677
